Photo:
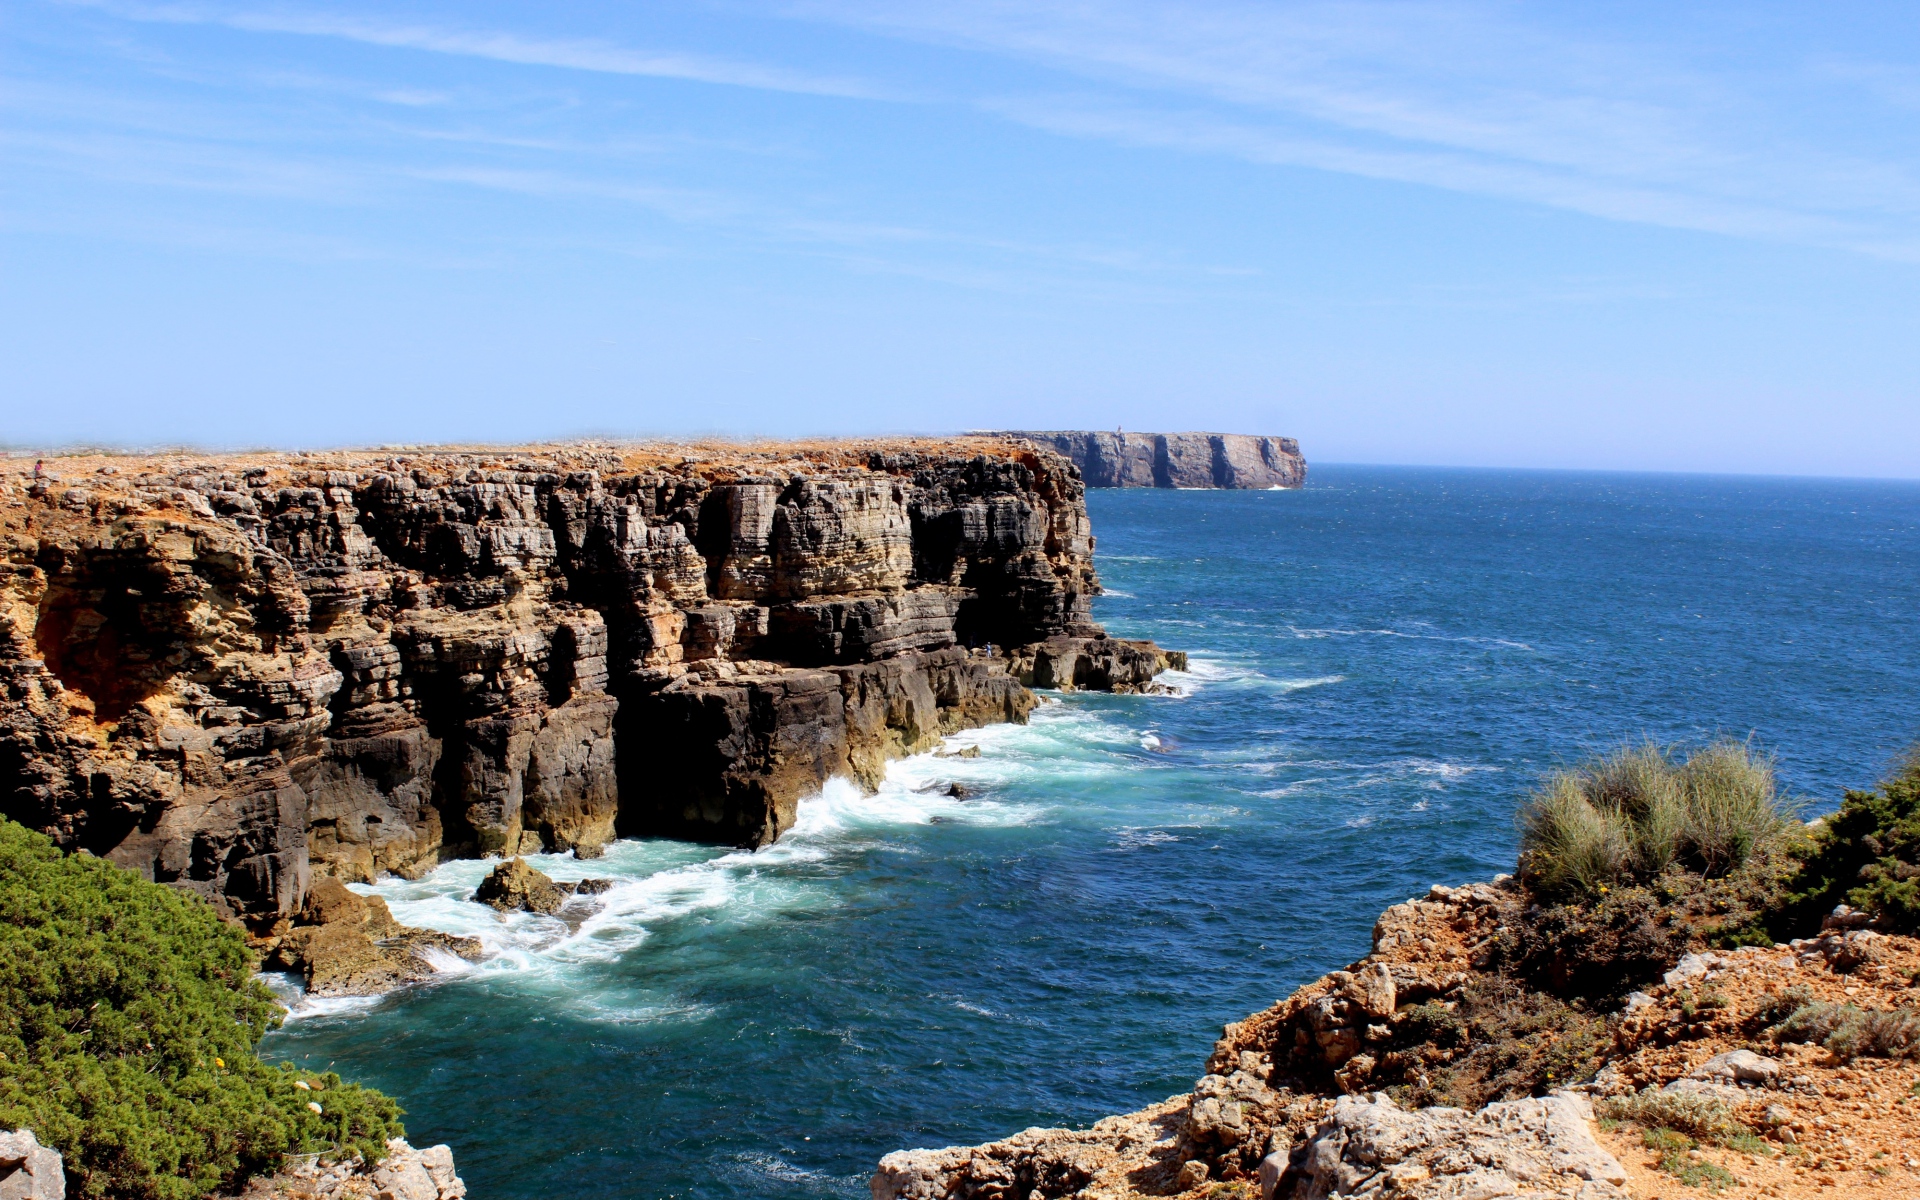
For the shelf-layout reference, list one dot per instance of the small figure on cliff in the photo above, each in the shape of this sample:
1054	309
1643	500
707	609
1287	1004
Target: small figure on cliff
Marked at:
39	469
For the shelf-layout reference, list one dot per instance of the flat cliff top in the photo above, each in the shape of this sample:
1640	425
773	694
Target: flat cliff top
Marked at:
715	460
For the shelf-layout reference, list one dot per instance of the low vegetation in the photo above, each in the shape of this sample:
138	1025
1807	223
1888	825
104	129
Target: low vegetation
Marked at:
1637	856
1676	1159
1849	1032
1501	1040
128	1019
1675	1124
1699	1116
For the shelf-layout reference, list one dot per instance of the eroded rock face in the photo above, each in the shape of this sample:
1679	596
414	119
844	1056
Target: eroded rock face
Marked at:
1099	664
1178	460
236	673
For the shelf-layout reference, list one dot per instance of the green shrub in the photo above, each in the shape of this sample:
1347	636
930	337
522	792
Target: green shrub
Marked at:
128	1019
1630	816
1776	1007
1867	855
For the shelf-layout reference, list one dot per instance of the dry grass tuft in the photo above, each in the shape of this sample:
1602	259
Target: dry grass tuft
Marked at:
1629	816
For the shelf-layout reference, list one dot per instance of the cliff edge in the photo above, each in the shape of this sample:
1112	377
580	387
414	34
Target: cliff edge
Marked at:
231	672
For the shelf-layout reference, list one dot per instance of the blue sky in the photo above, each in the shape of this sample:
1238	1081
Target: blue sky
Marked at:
1598	235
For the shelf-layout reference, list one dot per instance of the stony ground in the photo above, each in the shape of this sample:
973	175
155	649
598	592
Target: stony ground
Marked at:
1855	1125
1822	1126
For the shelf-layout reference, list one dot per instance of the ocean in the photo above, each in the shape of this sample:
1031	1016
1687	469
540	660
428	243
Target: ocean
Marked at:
1383	664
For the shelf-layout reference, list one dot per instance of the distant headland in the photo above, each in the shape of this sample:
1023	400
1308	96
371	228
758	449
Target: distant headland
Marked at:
1177	460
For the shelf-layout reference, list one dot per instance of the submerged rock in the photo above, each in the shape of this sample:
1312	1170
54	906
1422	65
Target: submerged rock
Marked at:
514	885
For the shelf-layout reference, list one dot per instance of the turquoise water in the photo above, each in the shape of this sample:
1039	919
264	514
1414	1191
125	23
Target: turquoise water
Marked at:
1383	663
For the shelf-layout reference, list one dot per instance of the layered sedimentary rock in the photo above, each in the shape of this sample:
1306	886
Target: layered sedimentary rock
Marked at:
232	672
1178	460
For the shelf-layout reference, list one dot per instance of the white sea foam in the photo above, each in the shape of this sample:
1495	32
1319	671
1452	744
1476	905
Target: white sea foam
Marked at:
654	883
1136	839
1300	632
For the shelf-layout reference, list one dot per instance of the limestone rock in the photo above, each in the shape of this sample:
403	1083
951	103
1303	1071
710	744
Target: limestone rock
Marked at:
1534	1147
1739	1067
513	885
1044	1162
28	1170
404	1174
1222	1108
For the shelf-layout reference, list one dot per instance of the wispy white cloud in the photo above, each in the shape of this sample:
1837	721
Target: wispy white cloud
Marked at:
1472	96
1475	97
575	54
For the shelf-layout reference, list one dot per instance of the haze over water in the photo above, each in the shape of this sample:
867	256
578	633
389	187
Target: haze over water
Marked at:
1383	664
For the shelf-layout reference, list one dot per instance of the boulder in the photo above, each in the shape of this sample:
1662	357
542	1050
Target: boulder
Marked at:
514	885
1539	1147
1739	1067
404	1174
28	1170
347	944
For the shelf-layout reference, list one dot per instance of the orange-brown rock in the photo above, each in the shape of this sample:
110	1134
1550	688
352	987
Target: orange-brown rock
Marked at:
345	944
515	886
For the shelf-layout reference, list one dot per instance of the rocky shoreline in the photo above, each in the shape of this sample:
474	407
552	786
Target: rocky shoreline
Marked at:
1298	1101
237	673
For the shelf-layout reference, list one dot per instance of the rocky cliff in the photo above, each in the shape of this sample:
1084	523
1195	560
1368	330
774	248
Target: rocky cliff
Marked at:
231	672
1178	460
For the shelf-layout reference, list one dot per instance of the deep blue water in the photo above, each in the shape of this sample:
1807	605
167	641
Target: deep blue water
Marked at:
1384	663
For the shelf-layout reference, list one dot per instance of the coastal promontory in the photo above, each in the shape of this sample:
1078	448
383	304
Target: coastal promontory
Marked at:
1177	460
